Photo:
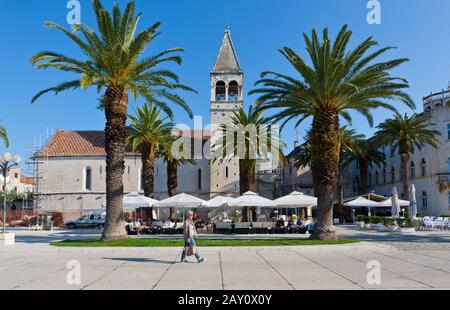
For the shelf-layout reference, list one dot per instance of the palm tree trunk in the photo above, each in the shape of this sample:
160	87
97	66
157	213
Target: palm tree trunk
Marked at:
148	165
405	179
115	103
172	183
325	153
340	192
246	181
364	175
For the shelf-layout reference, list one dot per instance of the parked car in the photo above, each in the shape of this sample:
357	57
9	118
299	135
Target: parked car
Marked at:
87	221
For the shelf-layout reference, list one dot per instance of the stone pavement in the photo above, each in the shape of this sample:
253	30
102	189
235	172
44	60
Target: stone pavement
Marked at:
405	262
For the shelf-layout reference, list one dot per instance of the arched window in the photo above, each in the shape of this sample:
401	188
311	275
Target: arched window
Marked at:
220	91
384	176
377	177
412	170
199	179
226	172
88	178
233	91
423	167
393	175
370	179
424	200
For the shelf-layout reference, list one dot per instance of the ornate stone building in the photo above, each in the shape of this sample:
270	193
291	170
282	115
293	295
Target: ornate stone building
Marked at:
227	81
428	170
71	167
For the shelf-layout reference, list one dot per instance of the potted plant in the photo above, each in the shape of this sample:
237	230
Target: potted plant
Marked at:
367	221
376	222
409	225
389	224
360	221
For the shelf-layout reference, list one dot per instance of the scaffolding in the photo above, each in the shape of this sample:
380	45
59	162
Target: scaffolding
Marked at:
36	168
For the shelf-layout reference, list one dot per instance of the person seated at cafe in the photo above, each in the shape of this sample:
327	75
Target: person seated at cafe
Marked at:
291	223
139	226
280	223
168	224
157	223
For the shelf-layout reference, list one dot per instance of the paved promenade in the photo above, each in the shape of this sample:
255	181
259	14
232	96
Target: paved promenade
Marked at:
419	261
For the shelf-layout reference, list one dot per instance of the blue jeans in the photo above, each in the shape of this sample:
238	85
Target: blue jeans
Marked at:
192	243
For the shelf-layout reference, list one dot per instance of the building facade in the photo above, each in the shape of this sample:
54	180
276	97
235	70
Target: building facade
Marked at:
227	81
428	169
71	167
17	182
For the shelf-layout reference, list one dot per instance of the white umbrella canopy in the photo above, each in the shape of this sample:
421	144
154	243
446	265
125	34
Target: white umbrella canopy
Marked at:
296	200
362	202
395	211
219	202
388	203
413	204
136	201
251	199
180	201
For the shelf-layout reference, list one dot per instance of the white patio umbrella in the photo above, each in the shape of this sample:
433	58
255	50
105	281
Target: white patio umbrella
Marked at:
413	203
395	211
218	205
135	201
182	201
251	199
362	202
219	202
296	200
388	203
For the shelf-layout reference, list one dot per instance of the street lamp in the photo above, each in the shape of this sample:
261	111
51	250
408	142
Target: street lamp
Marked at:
7	160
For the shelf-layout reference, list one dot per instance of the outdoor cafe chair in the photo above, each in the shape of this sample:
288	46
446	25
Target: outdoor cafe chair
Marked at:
243	228
222	228
259	228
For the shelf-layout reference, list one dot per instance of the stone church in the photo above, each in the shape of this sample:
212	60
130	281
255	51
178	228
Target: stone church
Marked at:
71	167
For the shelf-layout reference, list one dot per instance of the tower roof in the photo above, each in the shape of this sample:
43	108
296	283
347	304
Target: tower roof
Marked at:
227	60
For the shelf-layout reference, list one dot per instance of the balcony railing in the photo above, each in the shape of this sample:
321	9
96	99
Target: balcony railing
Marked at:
443	177
437	96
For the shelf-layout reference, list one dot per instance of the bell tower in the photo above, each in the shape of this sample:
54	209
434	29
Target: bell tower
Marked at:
227	81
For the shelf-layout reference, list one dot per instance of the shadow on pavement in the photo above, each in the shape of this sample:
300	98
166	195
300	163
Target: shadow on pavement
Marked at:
141	260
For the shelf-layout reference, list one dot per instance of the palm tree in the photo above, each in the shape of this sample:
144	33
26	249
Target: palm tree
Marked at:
147	133
256	141
349	140
366	154
405	134
113	61
4	136
336	81
172	163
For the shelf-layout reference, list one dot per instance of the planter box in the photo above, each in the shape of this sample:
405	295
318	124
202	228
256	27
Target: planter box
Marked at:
359	224
7	239
391	228
407	230
377	227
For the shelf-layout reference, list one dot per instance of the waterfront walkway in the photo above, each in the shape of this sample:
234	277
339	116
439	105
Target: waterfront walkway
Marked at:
418	261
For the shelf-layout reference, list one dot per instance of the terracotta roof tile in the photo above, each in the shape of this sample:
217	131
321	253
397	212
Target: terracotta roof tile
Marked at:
84	144
27	180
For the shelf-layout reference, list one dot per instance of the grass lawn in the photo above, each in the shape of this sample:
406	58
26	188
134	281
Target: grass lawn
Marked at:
134	242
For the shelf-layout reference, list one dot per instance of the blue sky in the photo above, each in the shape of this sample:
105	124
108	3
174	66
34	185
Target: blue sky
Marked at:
259	27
